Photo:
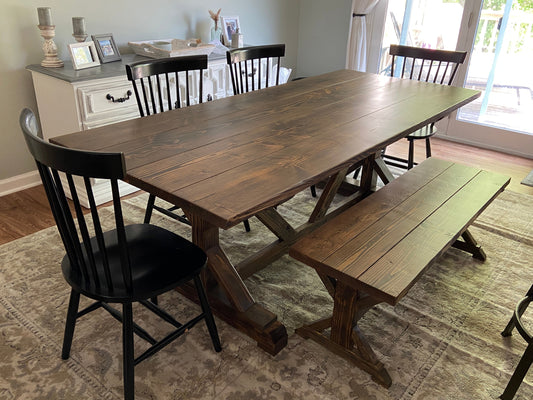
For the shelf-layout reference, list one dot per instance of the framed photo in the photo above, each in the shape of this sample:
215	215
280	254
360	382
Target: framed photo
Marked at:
83	55
229	27
106	48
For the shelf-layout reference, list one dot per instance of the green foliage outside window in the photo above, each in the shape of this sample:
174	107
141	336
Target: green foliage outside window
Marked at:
524	29
525	5
496	5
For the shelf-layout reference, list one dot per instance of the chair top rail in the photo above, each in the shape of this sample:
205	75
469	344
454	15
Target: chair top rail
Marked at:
72	161
428	54
249	53
143	69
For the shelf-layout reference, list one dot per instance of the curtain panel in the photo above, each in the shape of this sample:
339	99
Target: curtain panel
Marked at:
357	41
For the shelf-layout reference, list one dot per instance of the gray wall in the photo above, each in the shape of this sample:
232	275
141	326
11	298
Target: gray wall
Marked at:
315	32
323	35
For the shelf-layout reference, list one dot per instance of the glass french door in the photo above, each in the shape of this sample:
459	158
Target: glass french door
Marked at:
498	36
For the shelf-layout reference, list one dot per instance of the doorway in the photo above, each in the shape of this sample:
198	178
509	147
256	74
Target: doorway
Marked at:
498	36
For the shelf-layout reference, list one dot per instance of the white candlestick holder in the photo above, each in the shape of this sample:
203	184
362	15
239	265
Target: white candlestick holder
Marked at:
49	47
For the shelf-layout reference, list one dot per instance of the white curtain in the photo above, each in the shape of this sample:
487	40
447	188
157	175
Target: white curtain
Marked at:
357	41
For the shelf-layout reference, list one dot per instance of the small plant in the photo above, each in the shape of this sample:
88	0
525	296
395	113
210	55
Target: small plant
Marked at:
215	17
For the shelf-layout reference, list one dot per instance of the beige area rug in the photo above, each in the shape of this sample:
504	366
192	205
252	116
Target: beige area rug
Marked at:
441	342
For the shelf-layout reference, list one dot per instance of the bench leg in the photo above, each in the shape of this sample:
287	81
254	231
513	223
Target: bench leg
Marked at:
470	245
345	339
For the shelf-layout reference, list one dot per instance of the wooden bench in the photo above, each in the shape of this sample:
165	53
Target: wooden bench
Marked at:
376	250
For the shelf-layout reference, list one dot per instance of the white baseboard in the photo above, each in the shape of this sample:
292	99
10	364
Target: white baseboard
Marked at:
19	182
475	143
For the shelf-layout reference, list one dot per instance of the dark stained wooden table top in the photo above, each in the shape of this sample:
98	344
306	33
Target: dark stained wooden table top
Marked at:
228	159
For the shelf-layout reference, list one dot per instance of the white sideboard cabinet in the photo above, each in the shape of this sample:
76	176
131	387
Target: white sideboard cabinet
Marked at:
74	100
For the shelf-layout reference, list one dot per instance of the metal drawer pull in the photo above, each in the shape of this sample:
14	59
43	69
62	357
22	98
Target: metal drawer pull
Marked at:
121	99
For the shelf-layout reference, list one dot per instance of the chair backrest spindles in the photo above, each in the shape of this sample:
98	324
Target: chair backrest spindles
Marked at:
152	75
201	85
429	65
187	87
247	66
151	95
178	94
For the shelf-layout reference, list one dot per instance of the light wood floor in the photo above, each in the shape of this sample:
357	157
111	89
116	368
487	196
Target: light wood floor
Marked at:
27	211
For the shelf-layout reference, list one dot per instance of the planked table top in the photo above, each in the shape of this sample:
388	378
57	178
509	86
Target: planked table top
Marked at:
228	159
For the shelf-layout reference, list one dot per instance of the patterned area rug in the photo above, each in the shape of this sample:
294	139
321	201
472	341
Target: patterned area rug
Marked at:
441	342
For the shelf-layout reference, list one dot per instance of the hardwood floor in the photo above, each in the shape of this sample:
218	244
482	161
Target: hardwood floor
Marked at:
27	211
23	213
515	167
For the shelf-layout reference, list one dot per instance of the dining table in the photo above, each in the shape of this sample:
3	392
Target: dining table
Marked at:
228	160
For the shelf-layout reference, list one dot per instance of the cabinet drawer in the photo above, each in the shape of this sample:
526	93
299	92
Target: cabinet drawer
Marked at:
96	101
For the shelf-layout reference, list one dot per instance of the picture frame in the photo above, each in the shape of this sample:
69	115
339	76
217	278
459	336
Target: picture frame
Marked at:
230	24
83	55
106	48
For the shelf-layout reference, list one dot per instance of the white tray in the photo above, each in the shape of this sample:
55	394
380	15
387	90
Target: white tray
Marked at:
180	48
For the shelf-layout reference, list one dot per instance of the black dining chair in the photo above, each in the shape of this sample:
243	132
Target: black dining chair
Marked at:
255	68
527	358
162	85
123	265
168	83
428	65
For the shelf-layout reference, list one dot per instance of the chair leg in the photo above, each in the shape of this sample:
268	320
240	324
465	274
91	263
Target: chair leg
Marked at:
206	309
149	209
127	352
313	190
508	331
519	373
70	324
246	225
521	308
411	156
428	148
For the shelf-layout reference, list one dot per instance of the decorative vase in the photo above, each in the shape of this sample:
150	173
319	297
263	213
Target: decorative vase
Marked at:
216	33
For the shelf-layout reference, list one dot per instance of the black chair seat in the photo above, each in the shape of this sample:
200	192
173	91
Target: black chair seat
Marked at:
423	133
160	261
